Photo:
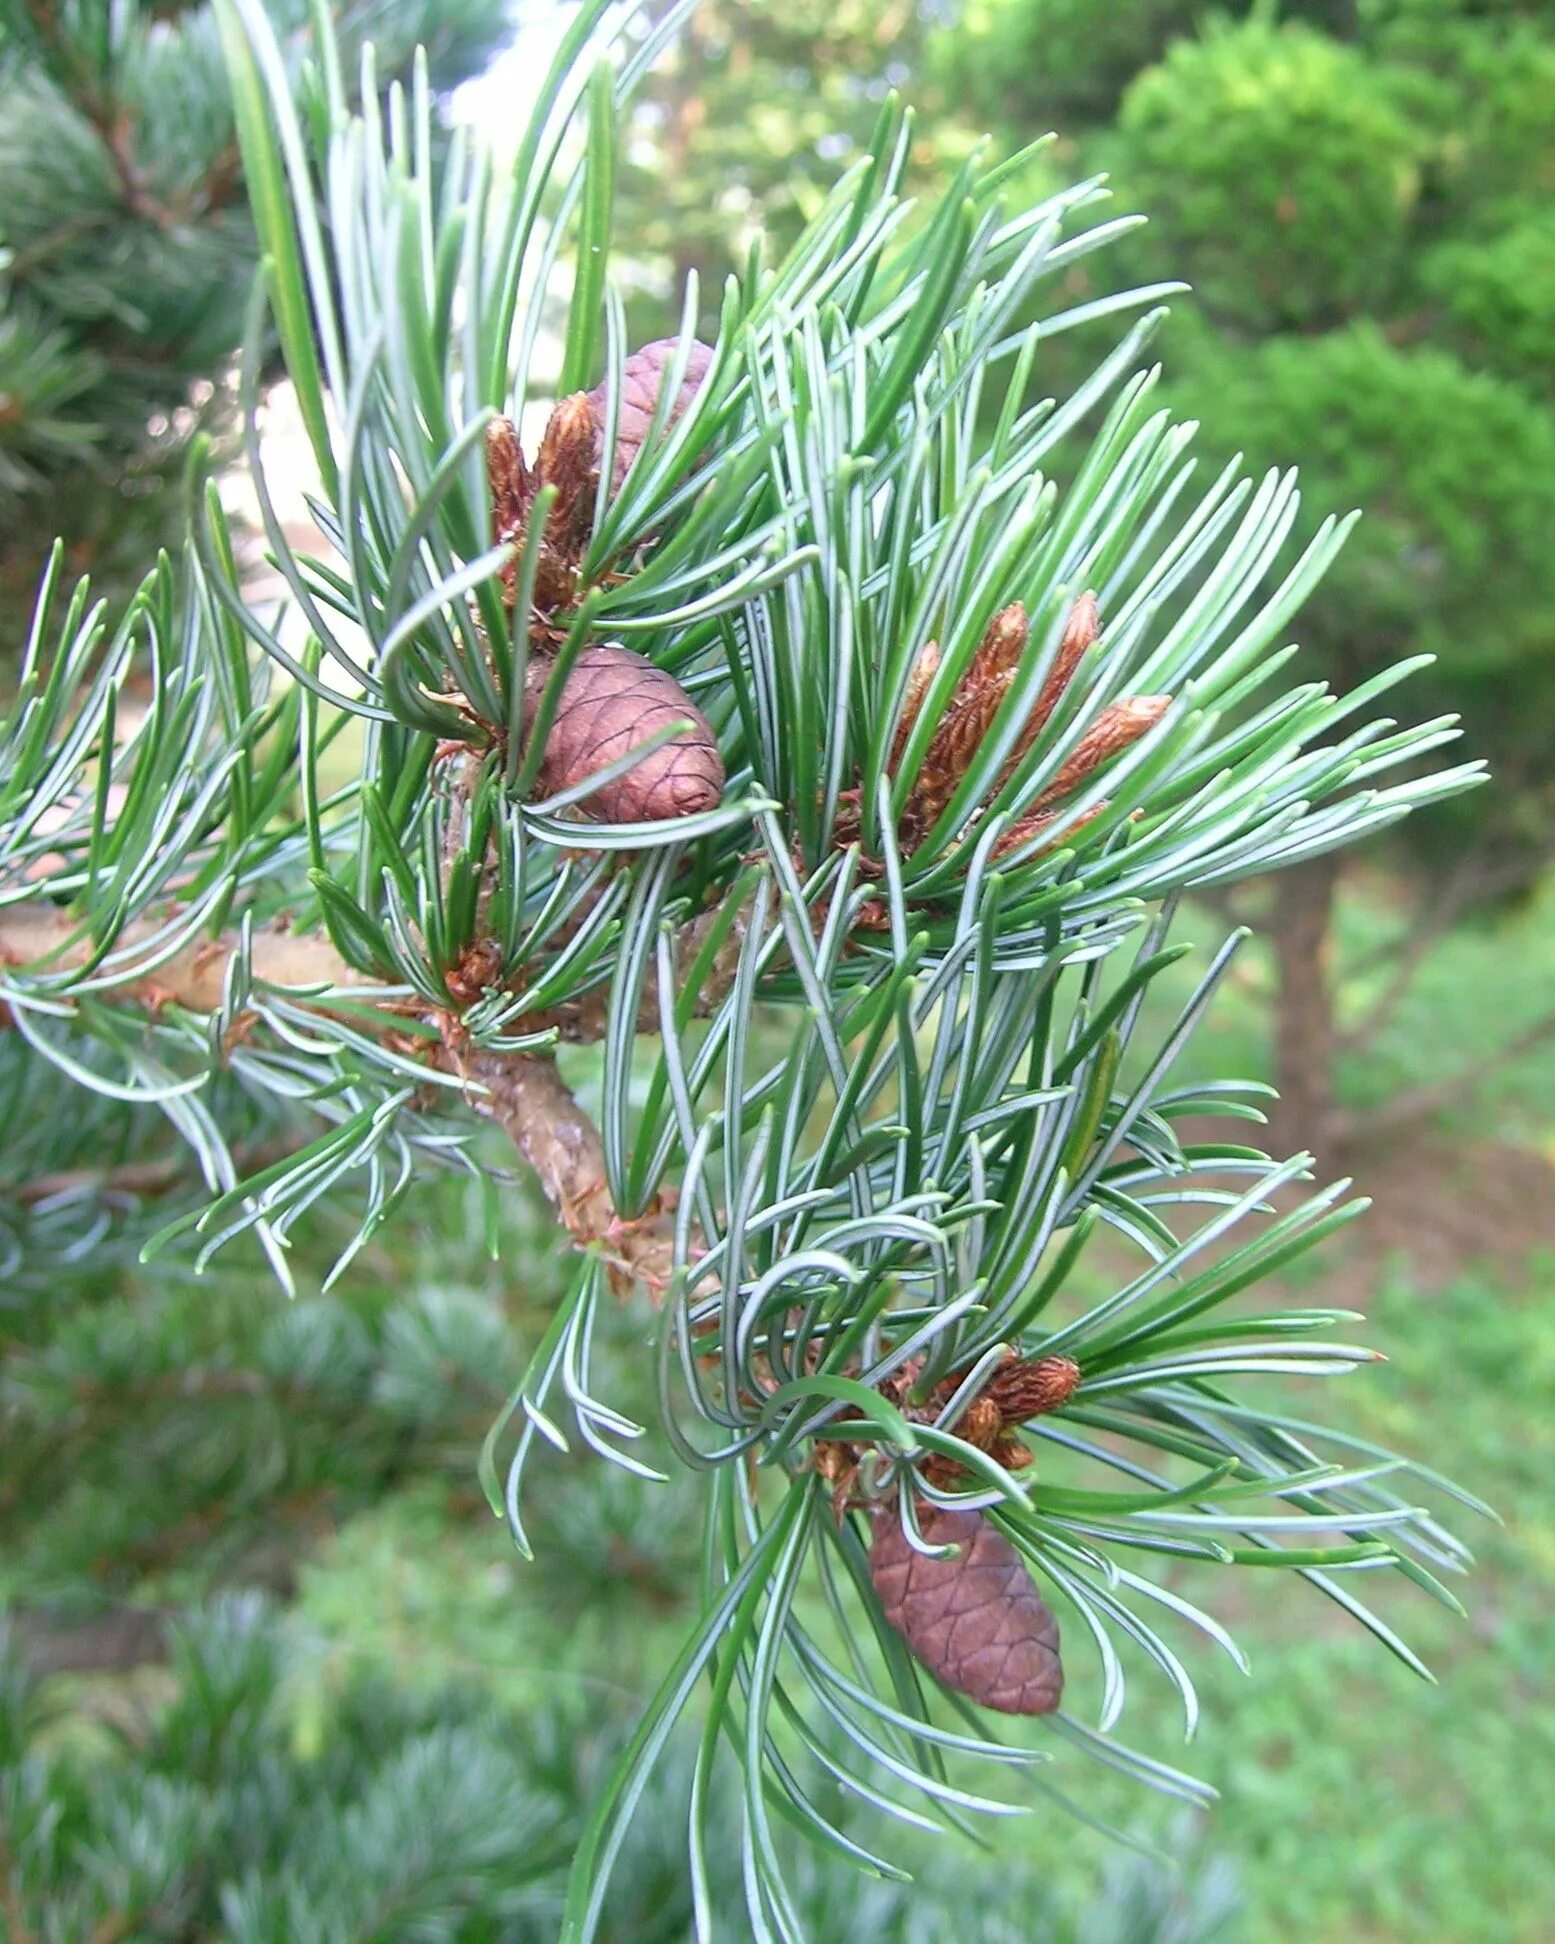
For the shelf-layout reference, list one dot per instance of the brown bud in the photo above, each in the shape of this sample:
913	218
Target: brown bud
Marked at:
509	477
949	756
1011	1453
611	702
980	1423
978	699
999	652
1036	821
975	1619
924	669
642	377
1113	730
569	460
1028	1387
1080	630
478	968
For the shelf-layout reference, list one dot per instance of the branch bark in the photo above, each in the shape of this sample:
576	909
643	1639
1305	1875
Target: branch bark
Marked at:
527	1097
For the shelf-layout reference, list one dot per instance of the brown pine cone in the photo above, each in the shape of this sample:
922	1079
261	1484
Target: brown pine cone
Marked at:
642	376
975	1620
611	702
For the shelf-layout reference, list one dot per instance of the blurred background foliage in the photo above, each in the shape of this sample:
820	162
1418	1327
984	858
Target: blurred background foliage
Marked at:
271	1671
127	256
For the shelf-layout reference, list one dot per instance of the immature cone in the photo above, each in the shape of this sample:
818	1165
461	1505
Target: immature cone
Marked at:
611	702
974	1619
642	379
1030	1387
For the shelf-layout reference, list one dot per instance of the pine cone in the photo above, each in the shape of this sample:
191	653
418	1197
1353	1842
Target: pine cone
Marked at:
611	702
642	377
975	1620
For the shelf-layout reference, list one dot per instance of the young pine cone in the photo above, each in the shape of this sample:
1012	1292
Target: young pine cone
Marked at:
975	1619
611	702
642	379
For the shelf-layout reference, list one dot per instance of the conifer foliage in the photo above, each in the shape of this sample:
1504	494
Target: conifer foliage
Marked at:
859	888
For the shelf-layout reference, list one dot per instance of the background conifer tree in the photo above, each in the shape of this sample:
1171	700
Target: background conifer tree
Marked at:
126	251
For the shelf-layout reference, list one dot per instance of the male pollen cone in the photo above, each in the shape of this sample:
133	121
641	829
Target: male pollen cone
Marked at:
975	1619
611	702
1031	1387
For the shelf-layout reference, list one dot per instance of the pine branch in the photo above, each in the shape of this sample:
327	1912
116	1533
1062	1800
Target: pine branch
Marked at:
523	1093
44	938
527	1097
894	1190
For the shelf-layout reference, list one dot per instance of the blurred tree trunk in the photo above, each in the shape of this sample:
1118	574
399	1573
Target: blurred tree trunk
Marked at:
1304	1039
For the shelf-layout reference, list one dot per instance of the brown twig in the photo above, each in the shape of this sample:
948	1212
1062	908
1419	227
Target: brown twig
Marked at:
44	938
